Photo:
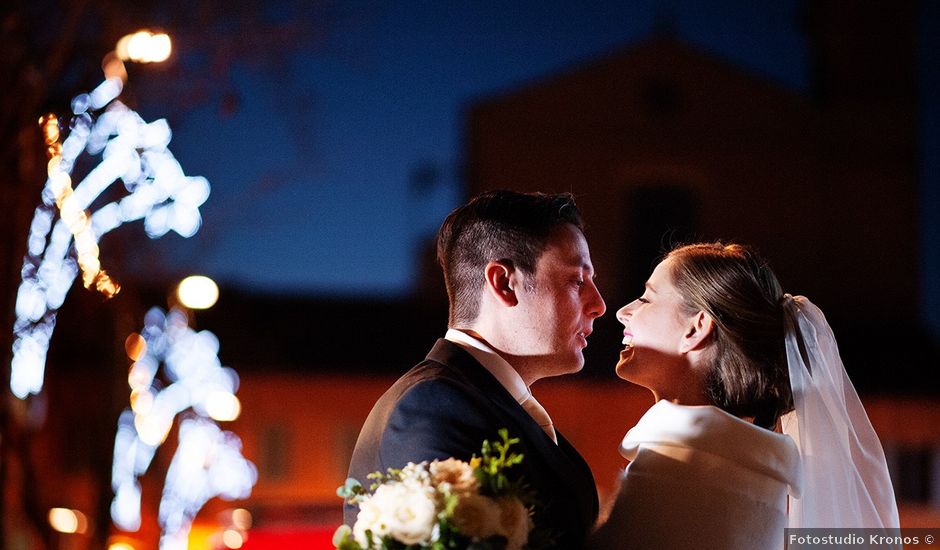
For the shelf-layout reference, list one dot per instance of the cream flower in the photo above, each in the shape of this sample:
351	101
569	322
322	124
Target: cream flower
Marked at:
371	517
514	521
455	475
477	516
405	511
415	473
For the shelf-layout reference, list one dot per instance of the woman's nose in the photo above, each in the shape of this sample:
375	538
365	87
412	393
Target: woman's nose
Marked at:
623	314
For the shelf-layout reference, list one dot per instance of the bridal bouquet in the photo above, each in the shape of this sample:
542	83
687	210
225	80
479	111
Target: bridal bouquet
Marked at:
447	504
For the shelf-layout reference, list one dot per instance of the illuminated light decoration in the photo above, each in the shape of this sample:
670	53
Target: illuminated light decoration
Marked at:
208	461
135	346
132	151
69	521
223	406
144	47
241	519
232	538
197	292
113	67
141	402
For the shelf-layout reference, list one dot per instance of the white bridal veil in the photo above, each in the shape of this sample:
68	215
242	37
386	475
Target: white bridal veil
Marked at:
845	477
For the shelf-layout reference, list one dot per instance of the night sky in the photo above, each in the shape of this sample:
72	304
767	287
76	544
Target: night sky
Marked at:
354	187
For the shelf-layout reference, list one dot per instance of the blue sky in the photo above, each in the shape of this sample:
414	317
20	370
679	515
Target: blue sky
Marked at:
386	94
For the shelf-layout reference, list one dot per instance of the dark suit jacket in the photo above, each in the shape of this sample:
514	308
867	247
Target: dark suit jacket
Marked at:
445	407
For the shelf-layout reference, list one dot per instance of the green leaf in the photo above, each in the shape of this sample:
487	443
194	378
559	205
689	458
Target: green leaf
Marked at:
343	539
350	489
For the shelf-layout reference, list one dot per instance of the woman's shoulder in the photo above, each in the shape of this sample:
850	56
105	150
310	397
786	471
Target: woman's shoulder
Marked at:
707	429
705	425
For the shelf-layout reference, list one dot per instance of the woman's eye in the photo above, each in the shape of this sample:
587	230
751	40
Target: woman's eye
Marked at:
642	300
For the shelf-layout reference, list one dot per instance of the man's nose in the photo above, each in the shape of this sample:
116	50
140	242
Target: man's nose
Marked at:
597	307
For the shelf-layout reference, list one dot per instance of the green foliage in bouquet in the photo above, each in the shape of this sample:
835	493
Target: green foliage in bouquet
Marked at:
445	505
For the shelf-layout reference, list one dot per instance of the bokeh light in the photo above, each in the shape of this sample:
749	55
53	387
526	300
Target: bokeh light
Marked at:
144	47
232	538
65	520
135	346
71	209
141	401
152	428
197	292
241	519
113	67
132	151
141	373
208	461
223	406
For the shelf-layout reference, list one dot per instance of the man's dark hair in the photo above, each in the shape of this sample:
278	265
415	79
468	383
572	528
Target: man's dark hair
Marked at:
504	226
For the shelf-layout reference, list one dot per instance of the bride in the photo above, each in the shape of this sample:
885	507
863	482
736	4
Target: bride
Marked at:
756	426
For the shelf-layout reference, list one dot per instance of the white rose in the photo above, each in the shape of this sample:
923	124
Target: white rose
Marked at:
371	517
415	473
407	511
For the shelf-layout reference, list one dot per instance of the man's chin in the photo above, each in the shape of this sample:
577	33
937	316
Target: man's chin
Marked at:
578	363
571	366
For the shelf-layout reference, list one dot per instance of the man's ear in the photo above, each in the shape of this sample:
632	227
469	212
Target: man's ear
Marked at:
698	332
501	282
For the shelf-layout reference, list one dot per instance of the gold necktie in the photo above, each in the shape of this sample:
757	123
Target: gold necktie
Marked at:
540	415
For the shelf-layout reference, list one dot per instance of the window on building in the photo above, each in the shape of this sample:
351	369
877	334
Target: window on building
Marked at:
914	471
275	453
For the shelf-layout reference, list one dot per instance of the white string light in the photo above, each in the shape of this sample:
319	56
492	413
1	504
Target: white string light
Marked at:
208	461
132	151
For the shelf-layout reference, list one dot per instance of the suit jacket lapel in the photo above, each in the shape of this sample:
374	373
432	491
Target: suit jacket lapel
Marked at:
569	467
584	485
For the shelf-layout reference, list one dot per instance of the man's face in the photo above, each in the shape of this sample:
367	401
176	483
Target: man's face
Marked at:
558	304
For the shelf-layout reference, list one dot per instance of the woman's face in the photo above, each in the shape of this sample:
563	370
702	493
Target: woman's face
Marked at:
654	326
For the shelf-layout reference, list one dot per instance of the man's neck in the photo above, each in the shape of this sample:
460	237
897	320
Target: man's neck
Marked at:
519	363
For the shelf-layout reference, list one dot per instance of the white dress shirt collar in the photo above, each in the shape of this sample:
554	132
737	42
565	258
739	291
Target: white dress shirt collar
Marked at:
507	377
491	361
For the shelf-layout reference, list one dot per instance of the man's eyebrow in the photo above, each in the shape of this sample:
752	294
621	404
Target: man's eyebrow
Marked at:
583	265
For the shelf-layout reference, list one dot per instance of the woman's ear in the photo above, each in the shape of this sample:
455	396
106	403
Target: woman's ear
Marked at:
698	332
500	282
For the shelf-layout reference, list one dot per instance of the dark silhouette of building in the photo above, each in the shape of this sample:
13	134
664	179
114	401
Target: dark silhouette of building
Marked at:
663	142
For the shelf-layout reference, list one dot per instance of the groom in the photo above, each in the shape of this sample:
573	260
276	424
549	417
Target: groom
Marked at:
522	304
